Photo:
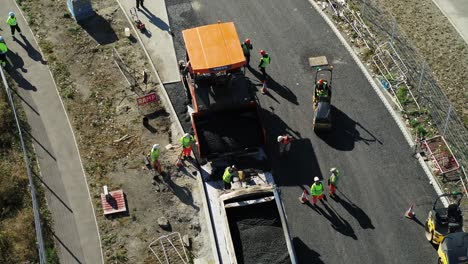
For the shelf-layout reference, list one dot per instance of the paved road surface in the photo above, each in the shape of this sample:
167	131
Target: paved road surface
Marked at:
75	228
380	178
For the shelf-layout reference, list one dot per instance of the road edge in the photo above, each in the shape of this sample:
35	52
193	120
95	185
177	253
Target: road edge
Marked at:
379	93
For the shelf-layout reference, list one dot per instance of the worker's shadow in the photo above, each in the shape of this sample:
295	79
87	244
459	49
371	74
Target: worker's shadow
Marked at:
337	222
99	29
304	253
156	20
364	221
344	132
16	62
183	193
272	85
32	52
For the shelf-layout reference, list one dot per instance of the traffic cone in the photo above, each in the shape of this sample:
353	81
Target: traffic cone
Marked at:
410	213
264	87
303	199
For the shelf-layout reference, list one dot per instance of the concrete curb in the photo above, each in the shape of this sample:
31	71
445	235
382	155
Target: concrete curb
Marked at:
71	128
168	104
451	22
377	89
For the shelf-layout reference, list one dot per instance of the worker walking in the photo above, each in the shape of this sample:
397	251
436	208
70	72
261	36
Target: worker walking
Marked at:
228	175
246	48
13	24
186	142
3	51
154	155
316	190
265	60
284	142
138	3
333	181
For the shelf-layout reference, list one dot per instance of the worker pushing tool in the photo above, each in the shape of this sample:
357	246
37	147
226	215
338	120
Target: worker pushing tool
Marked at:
316	190
154	155
333	181
246	48
322	93
11	21
265	60
228	175
3	51
186	142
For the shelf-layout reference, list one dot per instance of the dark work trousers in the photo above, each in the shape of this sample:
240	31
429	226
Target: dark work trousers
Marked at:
247	58
138	3
3	57
15	27
264	75
227	185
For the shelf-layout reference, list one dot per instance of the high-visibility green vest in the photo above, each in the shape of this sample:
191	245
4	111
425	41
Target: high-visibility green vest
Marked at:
335	177
316	189
245	48
3	48
11	21
322	93
186	141
264	61
227	175
154	154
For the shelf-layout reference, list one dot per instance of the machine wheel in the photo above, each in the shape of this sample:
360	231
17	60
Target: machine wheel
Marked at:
429	234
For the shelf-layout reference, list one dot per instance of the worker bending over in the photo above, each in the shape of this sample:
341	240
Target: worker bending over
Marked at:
323	92
284	142
154	154
228	175
186	142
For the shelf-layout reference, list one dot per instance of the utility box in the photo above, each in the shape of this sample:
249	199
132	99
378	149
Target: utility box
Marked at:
80	9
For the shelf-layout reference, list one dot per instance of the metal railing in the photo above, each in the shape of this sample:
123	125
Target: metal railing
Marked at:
372	28
37	220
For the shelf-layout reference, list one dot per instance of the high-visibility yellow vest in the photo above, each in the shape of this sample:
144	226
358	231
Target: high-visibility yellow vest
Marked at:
11	21
334	178
154	154
3	48
264	61
227	175
316	189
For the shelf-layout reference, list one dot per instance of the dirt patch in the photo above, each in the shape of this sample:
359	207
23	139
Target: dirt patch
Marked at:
102	107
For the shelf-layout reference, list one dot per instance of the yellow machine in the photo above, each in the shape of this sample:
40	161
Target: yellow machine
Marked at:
454	249
442	220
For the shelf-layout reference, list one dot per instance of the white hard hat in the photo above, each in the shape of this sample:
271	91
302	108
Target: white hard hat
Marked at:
11	14
156	146
280	138
1	39
186	134
316	179
333	169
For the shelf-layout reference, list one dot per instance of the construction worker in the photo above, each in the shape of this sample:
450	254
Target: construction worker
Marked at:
265	60
228	175
333	181
322	92
138	3
13	24
284	142
154	154
246	48
3	51
316	190
186	142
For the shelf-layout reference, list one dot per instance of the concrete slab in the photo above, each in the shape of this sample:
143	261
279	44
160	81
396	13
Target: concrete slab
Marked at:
457	13
157	39
318	61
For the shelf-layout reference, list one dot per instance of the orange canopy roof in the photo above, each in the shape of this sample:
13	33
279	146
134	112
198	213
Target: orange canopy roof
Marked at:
213	48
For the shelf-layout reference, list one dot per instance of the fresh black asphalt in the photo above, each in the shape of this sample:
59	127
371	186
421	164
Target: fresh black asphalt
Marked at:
380	176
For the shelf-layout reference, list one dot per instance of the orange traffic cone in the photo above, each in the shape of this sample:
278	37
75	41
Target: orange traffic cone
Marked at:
303	199
410	213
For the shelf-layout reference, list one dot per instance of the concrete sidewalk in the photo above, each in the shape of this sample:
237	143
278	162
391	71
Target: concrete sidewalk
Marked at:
457	13
157	39
68	198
